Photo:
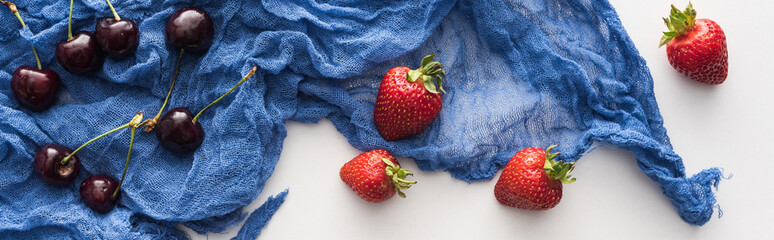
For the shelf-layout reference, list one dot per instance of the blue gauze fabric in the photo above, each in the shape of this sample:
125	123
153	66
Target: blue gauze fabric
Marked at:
260	217
521	73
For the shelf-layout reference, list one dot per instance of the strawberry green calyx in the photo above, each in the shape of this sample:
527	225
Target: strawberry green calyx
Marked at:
678	23
397	176
558	170
427	72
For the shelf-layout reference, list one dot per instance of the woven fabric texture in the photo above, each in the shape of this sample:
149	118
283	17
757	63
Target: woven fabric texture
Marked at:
521	73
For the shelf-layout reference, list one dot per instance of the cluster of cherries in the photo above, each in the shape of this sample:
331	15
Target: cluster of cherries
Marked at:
36	89
178	130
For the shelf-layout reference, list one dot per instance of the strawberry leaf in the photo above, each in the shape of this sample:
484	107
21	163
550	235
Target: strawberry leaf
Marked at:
413	75
669	26
401	194
388	162
428	71
440	83
397	177
664	40
690	13
430	86
402	173
678	23
557	170
427	60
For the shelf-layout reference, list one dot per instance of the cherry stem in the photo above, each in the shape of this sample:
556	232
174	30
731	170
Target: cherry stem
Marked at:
135	123
70	23
126	166
36	57
115	14
64	160
171	86
15	11
226	94
152	122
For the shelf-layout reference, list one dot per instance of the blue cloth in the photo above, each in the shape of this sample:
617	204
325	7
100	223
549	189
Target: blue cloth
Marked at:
521	73
260	217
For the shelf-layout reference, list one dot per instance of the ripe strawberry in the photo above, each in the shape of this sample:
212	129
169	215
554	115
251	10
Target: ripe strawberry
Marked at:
532	180
696	47
408	100
375	176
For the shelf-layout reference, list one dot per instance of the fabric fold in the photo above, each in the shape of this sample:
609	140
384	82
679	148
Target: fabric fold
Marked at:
521	73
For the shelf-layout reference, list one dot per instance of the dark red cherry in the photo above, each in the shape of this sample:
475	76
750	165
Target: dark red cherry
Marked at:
117	38
177	132
81	54
48	165
190	28
97	193
35	89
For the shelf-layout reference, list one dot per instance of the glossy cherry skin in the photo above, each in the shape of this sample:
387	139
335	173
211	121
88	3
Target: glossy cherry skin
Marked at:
48	165
177	132
117	38
81	54
190	28
97	191
35	89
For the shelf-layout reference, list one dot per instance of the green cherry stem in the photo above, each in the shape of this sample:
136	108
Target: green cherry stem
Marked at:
126	165
115	14
135	123
37	59
70	23
171	86
64	160
152	122
252	71
15	12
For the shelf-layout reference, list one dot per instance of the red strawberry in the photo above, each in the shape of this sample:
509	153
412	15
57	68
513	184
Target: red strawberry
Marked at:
532	180
375	176
696	47
408	100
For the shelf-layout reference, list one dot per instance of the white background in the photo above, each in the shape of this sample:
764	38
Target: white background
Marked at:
729	126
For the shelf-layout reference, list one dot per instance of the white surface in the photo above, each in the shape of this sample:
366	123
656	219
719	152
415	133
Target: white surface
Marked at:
728	126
